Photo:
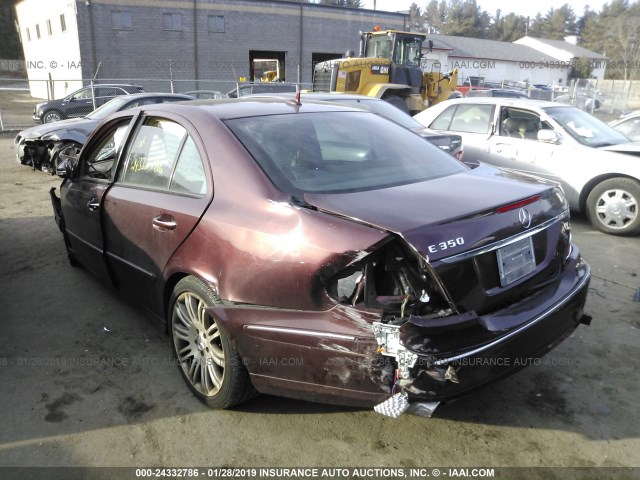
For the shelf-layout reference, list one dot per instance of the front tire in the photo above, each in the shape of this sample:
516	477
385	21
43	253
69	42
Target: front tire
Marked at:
66	149
52	116
207	360
612	206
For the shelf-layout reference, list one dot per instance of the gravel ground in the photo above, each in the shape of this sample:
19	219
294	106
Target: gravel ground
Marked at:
87	379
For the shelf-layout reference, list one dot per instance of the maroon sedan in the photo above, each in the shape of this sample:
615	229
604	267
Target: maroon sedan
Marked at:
321	252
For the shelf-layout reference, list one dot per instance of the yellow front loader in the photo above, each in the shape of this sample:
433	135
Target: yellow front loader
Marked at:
388	67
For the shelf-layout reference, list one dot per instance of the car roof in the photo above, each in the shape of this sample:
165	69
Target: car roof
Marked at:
331	96
111	85
133	96
225	109
522	102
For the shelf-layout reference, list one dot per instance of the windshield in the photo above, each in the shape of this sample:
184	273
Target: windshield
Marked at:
382	108
108	108
379	46
339	152
585	128
408	51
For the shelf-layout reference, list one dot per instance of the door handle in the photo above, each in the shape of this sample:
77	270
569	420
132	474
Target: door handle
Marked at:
164	222
93	204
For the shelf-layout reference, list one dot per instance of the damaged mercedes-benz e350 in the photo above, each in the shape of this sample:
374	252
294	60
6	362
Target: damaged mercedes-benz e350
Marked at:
320	252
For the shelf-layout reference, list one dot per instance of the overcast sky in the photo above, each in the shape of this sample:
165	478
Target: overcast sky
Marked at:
526	8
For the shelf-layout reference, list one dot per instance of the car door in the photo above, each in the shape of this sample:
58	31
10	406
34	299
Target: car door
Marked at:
473	121
515	145
83	195
162	190
79	104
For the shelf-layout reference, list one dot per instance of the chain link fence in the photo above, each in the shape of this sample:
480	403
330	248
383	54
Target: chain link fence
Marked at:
605	99
17	105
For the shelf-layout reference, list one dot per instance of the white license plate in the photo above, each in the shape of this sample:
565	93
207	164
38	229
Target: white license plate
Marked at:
516	260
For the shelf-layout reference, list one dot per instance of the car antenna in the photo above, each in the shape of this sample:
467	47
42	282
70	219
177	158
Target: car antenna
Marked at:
295	101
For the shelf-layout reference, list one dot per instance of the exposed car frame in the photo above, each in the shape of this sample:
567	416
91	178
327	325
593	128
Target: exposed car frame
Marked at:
40	147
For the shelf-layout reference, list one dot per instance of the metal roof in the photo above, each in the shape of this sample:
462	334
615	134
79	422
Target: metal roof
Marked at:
488	49
575	50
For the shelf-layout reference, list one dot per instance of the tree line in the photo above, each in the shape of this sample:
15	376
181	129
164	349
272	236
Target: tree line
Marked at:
613	32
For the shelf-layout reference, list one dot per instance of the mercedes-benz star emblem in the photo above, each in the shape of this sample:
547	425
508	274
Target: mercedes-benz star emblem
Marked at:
525	217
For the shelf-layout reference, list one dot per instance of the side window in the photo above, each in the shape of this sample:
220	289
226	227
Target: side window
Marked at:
189	176
83	94
472	118
153	153
522	124
443	120
99	162
105	92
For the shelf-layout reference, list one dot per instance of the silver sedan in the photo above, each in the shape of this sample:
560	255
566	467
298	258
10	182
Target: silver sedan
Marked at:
598	167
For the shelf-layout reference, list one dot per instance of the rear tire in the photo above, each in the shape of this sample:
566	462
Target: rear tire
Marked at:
612	206
207	360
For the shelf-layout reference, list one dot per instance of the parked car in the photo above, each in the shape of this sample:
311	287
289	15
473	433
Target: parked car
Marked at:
597	166
496	92
80	102
40	147
449	143
628	125
252	88
321	252
205	94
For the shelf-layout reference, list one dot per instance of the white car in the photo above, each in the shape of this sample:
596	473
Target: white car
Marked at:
628	125
598	167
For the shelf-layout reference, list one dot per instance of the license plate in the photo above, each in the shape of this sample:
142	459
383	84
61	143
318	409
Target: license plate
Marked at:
516	260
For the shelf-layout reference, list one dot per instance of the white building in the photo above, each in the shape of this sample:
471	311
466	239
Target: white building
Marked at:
495	61
51	46
567	52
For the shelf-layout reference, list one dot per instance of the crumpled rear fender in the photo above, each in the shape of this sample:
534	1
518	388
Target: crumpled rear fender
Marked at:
329	356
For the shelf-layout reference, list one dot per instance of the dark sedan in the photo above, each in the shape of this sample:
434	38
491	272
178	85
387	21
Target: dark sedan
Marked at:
80	102
321	252
40	147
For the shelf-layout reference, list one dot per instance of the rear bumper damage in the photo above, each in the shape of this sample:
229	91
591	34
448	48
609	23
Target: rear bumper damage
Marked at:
346	355
523	332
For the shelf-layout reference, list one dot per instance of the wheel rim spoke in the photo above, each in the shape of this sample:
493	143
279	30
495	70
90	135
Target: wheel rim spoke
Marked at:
198	344
217	355
616	208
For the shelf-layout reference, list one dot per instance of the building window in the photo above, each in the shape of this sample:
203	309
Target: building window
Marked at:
121	20
49	31
28	35
63	23
216	23
38	31
172	21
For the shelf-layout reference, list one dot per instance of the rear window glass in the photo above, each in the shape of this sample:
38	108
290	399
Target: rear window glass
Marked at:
340	151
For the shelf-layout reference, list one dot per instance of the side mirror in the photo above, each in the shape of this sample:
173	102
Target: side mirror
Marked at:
66	166
548	136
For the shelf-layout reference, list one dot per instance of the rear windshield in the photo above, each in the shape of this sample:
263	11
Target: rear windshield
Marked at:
339	152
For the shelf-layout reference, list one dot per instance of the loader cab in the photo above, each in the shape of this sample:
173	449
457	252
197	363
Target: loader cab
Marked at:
400	48
404	52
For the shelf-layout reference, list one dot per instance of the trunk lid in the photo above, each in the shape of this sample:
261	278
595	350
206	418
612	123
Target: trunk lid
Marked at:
459	207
